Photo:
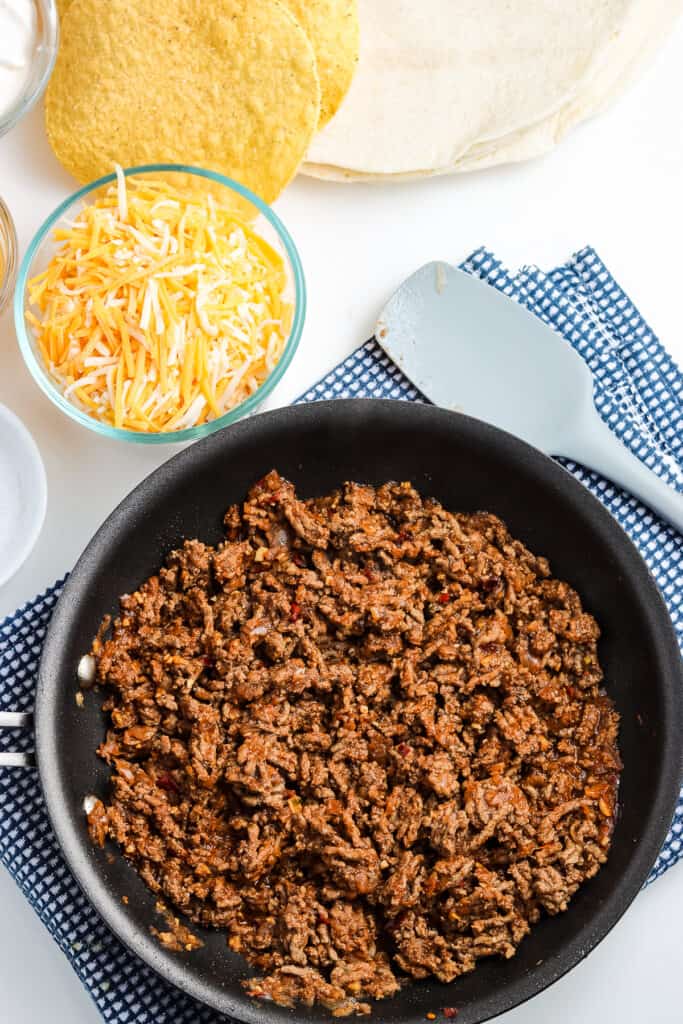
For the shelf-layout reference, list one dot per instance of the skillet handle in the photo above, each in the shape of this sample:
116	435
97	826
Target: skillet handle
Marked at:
16	720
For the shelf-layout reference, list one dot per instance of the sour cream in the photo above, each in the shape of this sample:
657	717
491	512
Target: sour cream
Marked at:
18	38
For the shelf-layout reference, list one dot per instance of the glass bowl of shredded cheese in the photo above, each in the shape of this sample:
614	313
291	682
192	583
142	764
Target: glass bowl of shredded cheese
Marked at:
160	303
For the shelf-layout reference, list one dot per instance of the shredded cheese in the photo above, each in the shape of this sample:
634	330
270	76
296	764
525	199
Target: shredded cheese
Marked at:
161	309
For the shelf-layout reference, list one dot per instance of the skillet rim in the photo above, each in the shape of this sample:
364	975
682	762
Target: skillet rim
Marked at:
598	924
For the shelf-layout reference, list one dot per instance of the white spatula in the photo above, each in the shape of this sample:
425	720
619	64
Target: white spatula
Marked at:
468	347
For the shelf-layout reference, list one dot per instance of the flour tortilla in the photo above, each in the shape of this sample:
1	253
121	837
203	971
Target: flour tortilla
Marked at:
437	77
645	29
636	48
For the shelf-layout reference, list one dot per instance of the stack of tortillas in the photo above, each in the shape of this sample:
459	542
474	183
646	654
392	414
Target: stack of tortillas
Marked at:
455	85
235	86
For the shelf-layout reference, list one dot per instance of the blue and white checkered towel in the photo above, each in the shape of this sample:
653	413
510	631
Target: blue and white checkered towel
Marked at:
639	392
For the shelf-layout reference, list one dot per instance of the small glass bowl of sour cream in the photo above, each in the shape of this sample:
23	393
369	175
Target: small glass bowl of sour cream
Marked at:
29	38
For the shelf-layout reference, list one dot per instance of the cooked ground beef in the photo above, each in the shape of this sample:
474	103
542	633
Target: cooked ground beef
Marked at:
176	936
364	736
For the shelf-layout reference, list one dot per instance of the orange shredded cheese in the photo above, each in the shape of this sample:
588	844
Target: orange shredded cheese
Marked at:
161	309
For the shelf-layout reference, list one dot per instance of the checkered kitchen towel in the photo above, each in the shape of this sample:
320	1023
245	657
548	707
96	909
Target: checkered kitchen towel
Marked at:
639	392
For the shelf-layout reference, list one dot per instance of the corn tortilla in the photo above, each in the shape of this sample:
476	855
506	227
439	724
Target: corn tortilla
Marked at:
231	86
332	27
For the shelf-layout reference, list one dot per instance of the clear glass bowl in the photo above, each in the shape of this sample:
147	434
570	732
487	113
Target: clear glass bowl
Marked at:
41	250
44	57
8	255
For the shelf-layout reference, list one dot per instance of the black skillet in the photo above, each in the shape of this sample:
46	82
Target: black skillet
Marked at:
467	465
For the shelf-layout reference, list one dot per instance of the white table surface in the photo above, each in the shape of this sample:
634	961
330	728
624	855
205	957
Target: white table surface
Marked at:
616	183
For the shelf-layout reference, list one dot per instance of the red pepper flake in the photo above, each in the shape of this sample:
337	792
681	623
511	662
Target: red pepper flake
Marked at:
403	749
369	574
208	662
450	1012
403	535
444	598
298	559
273	499
167	782
295	611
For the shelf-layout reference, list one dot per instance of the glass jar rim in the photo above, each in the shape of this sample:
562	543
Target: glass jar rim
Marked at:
8	254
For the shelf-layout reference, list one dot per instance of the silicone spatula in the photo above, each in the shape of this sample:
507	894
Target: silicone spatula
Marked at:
468	347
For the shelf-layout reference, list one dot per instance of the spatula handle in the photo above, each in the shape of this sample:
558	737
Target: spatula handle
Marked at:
596	447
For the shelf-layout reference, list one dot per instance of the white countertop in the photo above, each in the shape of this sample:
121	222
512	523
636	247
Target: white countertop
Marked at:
617	184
